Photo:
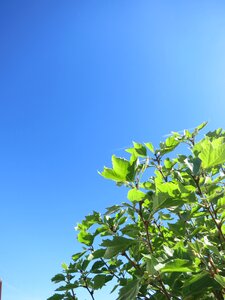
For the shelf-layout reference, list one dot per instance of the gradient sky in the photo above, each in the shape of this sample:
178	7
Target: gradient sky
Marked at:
79	80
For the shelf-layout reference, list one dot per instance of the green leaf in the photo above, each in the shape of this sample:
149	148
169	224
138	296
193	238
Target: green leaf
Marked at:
58	278
165	216
130	290
216	133
158	296
64	266
168	194
197	285
168	163
78	255
131	230
187	134
150	147
178	265
111	174
151	263
194	165
90	220
136	195
212	153
170	144
140	149
221	203
169	188
168	251
122	170
85	264
201	126
116	246
99	281
148	185
210	246
98	253
67	287
112	209
220	279
56	297
85	237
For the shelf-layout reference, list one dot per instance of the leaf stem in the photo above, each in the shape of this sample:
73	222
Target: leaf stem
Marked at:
218	226
134	264
110	271
91	292
68	278
145	223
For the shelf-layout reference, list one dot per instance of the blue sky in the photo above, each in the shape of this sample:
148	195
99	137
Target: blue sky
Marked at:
79	80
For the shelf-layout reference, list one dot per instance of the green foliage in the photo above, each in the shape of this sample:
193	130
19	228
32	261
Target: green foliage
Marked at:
167	241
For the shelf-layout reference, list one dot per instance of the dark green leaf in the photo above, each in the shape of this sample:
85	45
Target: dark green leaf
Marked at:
78	255
99	281
197	285
117	245
194	165
130	290
220	279
56	297
58	278
98	253
112	209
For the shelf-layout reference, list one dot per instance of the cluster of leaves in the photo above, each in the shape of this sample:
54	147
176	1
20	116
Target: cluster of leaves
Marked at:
168	240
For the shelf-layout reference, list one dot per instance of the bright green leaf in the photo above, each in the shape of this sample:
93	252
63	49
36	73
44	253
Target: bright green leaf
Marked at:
201	126
58	278
178	265
212	153
85	238
122	170
140	149
116	246
136	195
64	266
150	147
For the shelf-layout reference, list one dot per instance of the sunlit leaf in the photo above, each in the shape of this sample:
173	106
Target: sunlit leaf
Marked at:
211	153
150	147
178	265
136	195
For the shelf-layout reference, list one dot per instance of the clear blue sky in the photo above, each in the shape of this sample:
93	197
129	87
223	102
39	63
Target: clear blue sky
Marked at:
79	80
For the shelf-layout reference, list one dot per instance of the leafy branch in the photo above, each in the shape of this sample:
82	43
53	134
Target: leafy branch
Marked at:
167	241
